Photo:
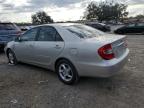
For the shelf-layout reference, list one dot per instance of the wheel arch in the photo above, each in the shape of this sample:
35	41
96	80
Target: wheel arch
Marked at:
62	58
76	74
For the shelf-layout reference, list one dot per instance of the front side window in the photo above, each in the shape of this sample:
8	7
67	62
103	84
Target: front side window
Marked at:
30	35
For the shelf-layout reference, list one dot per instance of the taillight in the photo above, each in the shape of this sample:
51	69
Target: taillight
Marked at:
106	52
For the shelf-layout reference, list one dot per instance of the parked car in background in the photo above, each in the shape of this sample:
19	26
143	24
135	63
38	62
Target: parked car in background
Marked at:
8	31
131	28
24	28
112	22
100	26
72	50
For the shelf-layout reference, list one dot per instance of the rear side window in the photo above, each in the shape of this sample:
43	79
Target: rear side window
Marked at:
58	37
48	33
7	26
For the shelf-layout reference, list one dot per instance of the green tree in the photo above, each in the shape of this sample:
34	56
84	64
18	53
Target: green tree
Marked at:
139	16
105	11
41	18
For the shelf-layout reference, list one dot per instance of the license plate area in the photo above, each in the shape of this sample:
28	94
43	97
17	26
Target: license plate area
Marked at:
119	48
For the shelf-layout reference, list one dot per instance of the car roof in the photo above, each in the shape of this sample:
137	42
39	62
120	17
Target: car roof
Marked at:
58	24
95	23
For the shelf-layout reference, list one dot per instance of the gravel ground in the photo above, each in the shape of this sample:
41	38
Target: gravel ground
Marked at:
26	86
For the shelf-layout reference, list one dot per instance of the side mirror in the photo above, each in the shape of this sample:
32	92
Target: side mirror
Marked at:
19	39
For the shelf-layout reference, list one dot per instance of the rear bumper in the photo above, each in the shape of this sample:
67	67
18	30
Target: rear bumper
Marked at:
103	69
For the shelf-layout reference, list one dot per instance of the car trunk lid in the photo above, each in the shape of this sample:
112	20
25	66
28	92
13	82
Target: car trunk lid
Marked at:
118	43
119	47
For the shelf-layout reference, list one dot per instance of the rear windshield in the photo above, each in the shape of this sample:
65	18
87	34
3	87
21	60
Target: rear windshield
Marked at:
7	26
84	31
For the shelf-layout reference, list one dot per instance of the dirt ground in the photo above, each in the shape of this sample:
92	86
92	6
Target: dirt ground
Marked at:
26	86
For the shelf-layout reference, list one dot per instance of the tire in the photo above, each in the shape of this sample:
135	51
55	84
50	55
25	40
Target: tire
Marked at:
11	57
67	72
121	32
1	48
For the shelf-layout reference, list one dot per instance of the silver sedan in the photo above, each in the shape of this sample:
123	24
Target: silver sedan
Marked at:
72	50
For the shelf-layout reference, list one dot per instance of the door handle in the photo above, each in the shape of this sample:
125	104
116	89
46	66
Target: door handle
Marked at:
57	47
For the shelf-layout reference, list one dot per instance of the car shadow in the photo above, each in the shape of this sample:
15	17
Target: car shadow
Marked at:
37	68
107	83
1	52
111	84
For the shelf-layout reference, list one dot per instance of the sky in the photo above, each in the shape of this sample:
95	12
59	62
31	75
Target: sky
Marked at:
59	10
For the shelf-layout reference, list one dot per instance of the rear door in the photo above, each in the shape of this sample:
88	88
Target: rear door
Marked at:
24	49
48	46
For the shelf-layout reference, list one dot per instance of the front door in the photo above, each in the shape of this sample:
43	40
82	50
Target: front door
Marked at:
24	49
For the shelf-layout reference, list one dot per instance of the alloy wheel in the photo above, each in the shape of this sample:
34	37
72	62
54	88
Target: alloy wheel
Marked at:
65	72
